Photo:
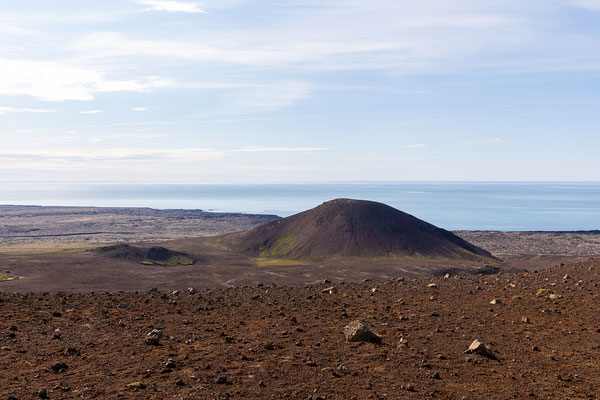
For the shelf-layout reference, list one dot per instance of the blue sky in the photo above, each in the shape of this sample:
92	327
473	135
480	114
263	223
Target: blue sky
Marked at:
299	90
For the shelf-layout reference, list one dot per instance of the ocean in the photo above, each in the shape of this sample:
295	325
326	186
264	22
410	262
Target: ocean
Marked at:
507	206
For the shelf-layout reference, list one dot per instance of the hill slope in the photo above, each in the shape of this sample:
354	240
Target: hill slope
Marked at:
350	228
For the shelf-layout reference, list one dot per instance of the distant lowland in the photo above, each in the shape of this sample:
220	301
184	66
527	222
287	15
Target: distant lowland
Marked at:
86	249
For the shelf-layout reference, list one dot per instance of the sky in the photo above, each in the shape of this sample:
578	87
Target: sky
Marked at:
244	91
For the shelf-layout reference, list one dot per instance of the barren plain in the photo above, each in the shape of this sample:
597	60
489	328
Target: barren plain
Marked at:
78	323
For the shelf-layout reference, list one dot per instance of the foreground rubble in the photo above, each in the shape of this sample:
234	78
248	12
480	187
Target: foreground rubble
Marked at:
541	339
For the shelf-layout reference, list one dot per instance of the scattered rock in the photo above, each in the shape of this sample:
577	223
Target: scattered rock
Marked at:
496	301
43	394
221	380
59	367
481	349
152	340
408	387
137	385
330	290
155	333
358	331
432	285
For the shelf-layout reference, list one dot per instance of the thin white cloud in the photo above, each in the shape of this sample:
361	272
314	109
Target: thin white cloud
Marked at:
256	149
110	155
593	5
8	110
414	146
64	80
495	140
171	6
91	112
268	97
139	109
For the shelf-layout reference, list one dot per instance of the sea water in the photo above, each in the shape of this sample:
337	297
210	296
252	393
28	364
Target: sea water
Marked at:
549	206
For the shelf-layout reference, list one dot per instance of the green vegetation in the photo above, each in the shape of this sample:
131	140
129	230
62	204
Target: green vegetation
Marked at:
6	277
279	247
267	262
173	261
479	258
542	292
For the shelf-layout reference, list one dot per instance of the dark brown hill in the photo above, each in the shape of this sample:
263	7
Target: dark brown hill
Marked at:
351	228
150	256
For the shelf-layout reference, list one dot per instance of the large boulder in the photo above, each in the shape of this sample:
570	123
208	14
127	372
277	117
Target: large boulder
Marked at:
358	331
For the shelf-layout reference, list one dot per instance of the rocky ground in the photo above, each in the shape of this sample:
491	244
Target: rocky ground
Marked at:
288	342
32	224
584	243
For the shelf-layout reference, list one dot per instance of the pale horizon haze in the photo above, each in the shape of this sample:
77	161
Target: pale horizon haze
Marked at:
299	91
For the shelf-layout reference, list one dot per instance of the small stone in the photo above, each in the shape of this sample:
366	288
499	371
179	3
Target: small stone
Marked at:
43	394
221	380
170	364
191	290
152	341
432	285
330	290
56	314
403	342
358	331
480	349
59	367
408	387
495	301
179	382
525	320
436	375
137	385
155	333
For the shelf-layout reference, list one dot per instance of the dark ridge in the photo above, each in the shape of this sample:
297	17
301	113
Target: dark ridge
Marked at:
351	228
154	255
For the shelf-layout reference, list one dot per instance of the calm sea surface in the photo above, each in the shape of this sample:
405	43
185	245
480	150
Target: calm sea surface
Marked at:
494	206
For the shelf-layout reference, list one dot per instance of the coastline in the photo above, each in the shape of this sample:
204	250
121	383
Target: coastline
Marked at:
25	227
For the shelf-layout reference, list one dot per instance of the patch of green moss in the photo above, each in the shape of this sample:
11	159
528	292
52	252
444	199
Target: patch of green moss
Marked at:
278	248
479	258
171	262
6	277
542	292
267	262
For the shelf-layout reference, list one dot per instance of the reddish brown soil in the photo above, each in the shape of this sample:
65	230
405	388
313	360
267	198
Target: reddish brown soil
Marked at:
92	270
288	342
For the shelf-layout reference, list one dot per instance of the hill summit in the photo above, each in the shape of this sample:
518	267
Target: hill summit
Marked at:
351	228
